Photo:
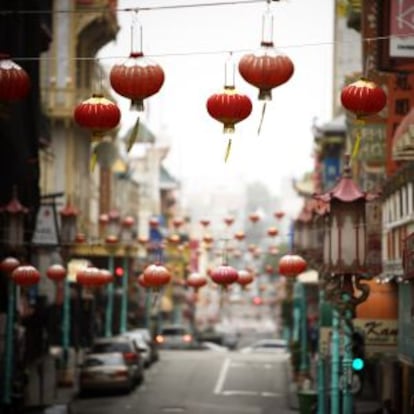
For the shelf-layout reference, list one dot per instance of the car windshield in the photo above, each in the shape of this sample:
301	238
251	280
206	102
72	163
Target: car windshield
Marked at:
111	347
110	359
173	331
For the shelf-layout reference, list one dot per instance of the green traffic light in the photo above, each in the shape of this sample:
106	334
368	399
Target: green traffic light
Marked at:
357	364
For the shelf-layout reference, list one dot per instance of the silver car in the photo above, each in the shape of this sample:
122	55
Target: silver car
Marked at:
107	371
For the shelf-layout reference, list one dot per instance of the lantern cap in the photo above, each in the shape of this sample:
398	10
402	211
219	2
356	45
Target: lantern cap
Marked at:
346	190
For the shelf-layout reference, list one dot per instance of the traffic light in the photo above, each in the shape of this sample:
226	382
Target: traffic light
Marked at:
119	271
358	351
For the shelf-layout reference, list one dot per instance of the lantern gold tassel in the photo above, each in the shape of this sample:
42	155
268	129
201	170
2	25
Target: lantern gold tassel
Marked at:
359	124
228	149
261	118
133	137
93	160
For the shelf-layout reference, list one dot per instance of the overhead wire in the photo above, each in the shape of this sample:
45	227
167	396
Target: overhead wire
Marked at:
209	52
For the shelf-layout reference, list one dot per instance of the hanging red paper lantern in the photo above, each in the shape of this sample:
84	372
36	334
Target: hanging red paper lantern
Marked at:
269	269
266	69
363	98
141	281
174	239
105	277
26	275
244	277
251	248
89	277
156	275
229	220
291	265
196	280
14	80
254	217
224	275
229	108
154	222
240	236
8	264
97	114
178	222
56	272
207	238
137	78
279	214
272	231
205	222
80	238
128	222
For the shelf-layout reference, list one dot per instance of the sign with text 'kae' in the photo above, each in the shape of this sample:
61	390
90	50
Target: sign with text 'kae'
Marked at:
380	335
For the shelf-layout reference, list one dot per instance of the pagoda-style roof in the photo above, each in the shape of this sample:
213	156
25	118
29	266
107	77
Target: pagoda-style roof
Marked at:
346	190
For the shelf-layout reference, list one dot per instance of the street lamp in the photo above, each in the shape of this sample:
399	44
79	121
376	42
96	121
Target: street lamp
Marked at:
127	239
109	228
344	266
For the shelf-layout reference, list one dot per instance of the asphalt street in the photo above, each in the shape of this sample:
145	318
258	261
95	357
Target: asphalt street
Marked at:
202	382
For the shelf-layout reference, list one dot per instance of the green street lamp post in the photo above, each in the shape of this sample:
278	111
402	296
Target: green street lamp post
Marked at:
110	229
344	266
126	238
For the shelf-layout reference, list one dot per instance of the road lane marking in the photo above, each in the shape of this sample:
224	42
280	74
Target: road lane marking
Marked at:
239	392
222	376
270	394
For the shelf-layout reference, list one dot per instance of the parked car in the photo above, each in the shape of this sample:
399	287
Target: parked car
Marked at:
278	346
150	340
142	346
175	337
105	371
127	347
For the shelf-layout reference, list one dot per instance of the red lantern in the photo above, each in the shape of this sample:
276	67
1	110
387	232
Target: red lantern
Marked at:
128	222
279	215
178	222
244	277
14	80
363	98
196	280
156	275
291	265
80	238
229	107
137	78
269	269
89	277
97	114
105	277
56	272
154	223
8	264
240	236
229	220
204	222
208	239
141	281
266	70
224	275
254	217
272	231
26	275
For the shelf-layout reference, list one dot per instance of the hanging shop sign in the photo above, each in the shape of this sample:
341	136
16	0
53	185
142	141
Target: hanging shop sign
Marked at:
380	335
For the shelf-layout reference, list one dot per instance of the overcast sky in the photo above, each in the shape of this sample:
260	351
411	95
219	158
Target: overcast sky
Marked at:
192	44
